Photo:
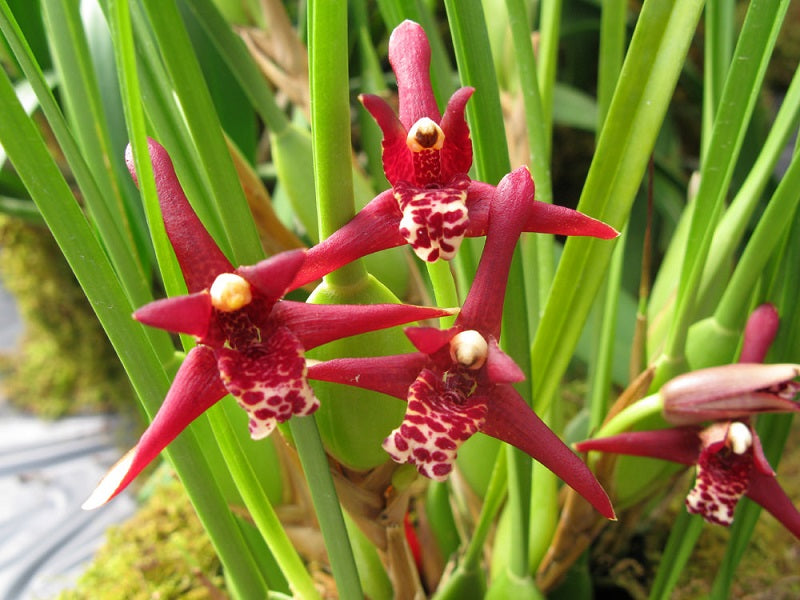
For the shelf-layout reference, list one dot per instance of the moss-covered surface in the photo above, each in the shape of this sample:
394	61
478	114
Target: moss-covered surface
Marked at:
64	363
161	552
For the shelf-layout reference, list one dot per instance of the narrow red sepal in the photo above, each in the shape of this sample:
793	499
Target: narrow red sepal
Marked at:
182	314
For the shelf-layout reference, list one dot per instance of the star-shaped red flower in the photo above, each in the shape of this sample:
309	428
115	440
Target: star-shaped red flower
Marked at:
459	380
251	344
728	455
433	204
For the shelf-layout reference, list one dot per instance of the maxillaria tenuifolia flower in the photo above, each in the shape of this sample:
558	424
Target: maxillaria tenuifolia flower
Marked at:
433	204
251	344
459	381
727	452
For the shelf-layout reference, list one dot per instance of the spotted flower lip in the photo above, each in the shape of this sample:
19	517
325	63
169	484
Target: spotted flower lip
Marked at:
433	203
727	453
251	343
459	381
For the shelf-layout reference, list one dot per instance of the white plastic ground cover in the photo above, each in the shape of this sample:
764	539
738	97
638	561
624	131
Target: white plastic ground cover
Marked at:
47	469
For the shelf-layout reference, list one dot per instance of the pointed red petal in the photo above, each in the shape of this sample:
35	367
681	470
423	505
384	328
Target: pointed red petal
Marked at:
767	492
390	375
430	339
512	421
560	220
483	307
374	228
183	314
273	276
761	329
677	444
317	324
410	57
200	258
456	154
398	164
196	388
501	367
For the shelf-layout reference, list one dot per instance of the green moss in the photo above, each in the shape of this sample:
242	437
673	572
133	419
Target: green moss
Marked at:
161	552
64	364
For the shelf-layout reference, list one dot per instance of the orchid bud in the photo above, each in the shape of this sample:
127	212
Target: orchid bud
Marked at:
731	392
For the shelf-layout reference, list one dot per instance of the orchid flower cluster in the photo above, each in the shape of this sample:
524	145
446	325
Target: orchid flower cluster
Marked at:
251	342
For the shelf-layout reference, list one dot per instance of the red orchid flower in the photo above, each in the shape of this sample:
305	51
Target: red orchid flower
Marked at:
728	454
459	381
251	343
433	204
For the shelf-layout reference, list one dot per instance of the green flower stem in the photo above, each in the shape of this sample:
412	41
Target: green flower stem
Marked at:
739	96
492	501
683	536
719	38
329	512
625	420
612	53
258	504
444	288
330	127
715	340
471	43
203	123
736	219
549	39
649	74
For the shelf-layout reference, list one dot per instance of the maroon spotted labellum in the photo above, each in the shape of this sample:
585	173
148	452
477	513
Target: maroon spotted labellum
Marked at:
433	203
459	381
727	453
250	343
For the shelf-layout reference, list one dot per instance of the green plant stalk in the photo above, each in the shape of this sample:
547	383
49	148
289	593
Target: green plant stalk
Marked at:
549	39
330	124
739	96
128	269
715	340
139	357
492	501
537	256
734	222
330	127
326	504
612	52
649	74
471	44
719	37
682	539
258	504
203	124
82	99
